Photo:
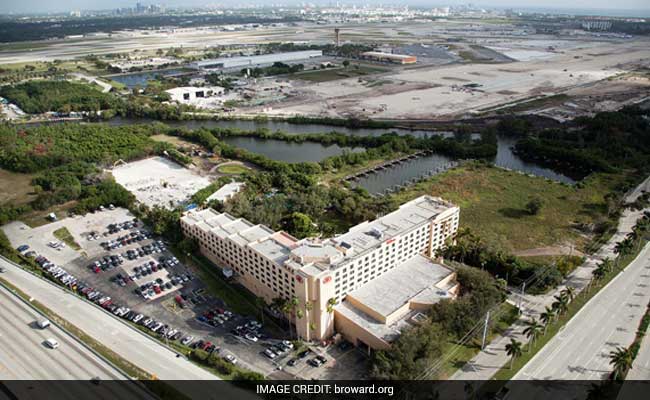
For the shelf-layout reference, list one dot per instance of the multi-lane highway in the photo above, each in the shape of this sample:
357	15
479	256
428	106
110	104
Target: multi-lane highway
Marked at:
133	346
130	344
23	356
581	350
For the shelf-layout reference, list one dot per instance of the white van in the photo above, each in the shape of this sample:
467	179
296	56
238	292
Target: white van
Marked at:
43	323
51	343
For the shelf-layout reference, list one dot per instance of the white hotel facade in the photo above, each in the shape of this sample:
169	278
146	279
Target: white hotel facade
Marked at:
340	283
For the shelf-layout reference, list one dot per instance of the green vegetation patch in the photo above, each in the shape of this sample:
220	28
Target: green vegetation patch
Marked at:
42	96
64	235
493	204
232	169
332	74
40	147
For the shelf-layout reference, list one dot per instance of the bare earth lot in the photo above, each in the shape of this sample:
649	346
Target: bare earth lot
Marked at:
159	181
430	92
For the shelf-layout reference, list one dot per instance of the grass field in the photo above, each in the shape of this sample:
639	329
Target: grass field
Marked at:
65	236
16	187
492	202
232	169
332	74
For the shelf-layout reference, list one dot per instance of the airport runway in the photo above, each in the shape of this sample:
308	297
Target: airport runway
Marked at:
23	356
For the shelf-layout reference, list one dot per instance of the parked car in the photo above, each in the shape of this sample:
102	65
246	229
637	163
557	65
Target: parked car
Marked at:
315	362
230	358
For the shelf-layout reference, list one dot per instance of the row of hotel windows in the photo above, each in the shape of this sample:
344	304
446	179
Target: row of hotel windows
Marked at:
246	262
380	260
387	257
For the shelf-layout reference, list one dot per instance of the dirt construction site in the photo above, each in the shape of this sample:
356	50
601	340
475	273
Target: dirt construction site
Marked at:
460	89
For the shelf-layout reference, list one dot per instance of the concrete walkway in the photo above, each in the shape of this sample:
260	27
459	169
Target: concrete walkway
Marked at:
486	363
105	86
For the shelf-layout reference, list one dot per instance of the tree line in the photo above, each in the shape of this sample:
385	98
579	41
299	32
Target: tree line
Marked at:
606	142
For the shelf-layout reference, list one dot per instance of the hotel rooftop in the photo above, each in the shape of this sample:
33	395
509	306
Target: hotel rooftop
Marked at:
314	254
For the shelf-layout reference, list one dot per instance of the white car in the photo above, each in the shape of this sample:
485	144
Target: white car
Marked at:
43	323
231	359
251	337
51	343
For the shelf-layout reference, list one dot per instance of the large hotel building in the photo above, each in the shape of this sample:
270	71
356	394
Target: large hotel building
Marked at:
365	285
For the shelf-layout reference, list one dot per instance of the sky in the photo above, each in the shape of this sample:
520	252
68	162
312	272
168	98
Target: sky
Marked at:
42	6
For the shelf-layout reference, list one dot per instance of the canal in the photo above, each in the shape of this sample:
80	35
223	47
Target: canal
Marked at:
375	183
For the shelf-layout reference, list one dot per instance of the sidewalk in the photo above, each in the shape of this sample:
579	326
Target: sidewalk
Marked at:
487	362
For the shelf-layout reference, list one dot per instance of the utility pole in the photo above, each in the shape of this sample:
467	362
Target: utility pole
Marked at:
485	328
521	298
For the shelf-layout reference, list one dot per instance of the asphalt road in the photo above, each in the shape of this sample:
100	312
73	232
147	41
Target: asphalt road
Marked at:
581	350
133	346
23	356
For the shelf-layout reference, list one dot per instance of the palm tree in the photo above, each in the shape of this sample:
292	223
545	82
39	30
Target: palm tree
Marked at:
286	309
561	304
569	292
623	247
621	359
259	301
533	328
599	272
330	308
607	264
547	317
513	349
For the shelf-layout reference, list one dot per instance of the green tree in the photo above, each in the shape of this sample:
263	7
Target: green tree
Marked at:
547	317
513	349
534	206
561	304
300	225
532	330
621	359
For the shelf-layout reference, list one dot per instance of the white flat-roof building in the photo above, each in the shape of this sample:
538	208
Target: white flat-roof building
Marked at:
186	94
226	192
355	267
255	61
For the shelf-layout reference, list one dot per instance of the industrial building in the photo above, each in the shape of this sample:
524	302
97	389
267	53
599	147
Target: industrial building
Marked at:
190	93
255	61
340	282
389	57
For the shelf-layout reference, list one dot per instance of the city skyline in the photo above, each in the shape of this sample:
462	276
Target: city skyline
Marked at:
588	7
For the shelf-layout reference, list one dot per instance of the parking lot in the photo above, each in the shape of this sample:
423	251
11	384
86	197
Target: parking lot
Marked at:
130	272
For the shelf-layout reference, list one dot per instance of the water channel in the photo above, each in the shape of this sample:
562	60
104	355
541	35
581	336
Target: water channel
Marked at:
141	79
376	182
